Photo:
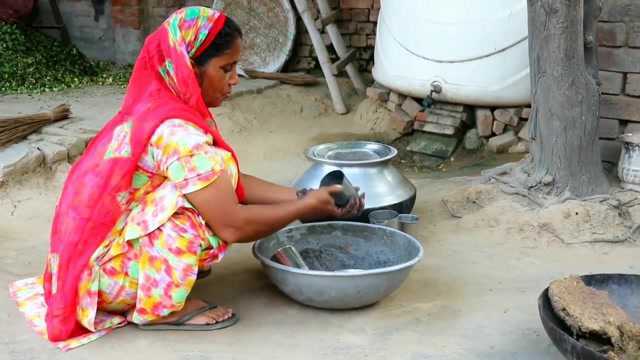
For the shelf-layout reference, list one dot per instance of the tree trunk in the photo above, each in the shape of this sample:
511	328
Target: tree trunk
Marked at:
565	96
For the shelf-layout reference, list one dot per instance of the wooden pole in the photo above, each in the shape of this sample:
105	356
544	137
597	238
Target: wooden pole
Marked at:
341	49
323	56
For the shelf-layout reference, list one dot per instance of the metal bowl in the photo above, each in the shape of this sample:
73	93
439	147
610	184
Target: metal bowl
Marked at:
370	263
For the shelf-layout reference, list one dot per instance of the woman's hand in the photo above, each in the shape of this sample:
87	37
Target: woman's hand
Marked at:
322	205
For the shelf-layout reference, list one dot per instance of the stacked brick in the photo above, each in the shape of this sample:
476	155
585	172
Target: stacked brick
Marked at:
357	24
619	56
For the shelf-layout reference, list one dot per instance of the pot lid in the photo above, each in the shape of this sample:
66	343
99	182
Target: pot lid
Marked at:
351	153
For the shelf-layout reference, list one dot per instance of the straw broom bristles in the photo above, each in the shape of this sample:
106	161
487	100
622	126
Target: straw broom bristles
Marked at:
15	128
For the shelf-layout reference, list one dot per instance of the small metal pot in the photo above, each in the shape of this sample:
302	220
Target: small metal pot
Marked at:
392	219
629	164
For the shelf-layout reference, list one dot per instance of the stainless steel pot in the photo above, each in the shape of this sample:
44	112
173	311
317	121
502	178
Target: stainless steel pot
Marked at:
629	164
366	165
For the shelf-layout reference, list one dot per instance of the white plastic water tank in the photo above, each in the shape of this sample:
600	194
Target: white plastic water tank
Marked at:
477	50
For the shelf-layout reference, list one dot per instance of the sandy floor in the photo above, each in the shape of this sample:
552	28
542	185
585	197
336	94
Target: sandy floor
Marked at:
472	297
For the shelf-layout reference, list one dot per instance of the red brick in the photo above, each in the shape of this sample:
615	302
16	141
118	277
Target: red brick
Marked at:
359	41
371	40
373	15
620	107
634	35
376	4
484	121
116	3
612	82
345	14
360	15
620	10
365	28
130	17
619	59
608	129
632	86
347	27
356	4
402	122
498	127
612	34
378	93
411	107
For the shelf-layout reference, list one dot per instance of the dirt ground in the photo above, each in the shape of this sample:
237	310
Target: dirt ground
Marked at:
474	295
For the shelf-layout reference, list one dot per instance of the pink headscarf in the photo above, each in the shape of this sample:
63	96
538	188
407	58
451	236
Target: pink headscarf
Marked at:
98	191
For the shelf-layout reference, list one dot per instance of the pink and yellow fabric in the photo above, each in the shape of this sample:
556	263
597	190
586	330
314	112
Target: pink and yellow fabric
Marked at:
102	233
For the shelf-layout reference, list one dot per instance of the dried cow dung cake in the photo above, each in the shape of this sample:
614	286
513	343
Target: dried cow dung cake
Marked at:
593	316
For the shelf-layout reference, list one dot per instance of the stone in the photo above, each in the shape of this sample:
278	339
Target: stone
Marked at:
610	150
524	132
394	97
612	34
632	87
378	94
52	130
433	144
620	107
498	127
612	82
75	146
502	143
526	113
508	116
84	126
522	147
472	140
619	59
435	128
411	107
18	159
608	128
402	122
484	121
52	153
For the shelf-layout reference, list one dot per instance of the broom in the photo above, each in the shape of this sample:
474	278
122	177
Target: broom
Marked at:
287	78
15	128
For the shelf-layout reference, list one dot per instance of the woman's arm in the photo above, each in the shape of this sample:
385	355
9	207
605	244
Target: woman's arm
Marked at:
259	191
237	223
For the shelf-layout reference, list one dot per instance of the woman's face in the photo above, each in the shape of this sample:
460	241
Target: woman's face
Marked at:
219	76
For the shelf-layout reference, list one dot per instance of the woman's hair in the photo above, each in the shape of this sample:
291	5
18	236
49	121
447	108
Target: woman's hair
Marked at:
229	33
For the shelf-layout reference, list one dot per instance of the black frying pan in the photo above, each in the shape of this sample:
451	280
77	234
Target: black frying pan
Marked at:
623	289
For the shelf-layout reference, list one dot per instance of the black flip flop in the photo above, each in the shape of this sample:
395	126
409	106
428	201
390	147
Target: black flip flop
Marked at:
181	324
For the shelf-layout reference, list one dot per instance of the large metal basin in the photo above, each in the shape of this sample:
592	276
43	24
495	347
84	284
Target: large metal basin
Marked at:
373	262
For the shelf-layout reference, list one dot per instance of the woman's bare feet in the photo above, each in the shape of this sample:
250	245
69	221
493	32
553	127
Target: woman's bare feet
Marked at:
210	317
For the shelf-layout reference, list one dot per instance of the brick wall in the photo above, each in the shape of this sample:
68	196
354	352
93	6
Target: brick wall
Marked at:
357	24
619	55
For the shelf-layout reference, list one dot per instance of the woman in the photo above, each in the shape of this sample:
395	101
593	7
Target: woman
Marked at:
158	196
